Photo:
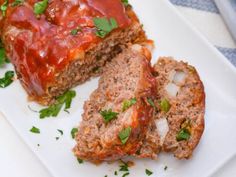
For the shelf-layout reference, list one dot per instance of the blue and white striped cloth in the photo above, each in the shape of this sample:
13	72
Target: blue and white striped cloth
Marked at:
204	15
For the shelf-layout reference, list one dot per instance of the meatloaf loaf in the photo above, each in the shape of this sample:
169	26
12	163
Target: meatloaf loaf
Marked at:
55	45
180	101
117	115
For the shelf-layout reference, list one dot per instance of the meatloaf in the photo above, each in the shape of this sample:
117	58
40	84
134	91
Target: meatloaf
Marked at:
180	101
56	48
117	115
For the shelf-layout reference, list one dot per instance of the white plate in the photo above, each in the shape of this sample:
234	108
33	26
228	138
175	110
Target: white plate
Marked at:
173	37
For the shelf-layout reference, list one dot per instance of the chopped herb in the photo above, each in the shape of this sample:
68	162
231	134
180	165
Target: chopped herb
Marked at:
35	130
115	173
104	26
38	145
124	166
60	131
7	60
3	8
165	168
126	174
128	103
148	172
108	115
151	102
57	138
75	31
73	132
3	57
124	135
183	134
125	2
165	105
40	7
50	111
53	110
7	79
17	3
80	160
105	176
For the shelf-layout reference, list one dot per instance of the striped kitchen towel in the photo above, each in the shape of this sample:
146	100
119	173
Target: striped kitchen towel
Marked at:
206	17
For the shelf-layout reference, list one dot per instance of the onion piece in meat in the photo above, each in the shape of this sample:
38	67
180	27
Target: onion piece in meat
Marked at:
179	77
172	89
162	128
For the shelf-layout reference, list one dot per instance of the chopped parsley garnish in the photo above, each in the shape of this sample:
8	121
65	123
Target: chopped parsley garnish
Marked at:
3	8
35	130
148	172
124	166
60	131
104	26
124	135
151	102
7	79
128	103
165	168
80	160
53	110
126	174
75	31
183	134
3	56
108	115
40	7
115	173
38	145
165	105
105	176
73	132
125	2
17	3
57	138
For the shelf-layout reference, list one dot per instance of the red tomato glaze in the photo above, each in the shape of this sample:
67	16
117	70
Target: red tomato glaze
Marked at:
40	47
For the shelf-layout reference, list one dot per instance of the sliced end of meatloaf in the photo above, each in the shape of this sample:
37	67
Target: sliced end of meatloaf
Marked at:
123	89
181	104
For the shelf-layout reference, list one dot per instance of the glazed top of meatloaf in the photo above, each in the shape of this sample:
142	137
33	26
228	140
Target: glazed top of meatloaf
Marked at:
42	45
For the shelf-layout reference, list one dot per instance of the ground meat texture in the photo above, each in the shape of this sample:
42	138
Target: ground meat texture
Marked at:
151	146
48	59
126	77
180	84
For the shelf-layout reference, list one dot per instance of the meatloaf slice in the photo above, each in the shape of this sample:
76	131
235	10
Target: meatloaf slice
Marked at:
181	103
64	46
122	93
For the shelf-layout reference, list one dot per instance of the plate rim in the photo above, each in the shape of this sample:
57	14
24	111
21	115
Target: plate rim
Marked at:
198	34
